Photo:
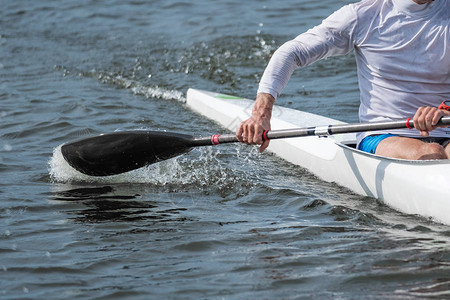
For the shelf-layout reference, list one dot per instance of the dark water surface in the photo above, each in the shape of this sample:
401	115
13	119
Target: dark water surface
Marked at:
217	223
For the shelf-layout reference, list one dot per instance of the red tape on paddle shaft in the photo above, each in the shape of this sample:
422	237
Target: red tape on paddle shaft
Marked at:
407	123
215	139
264	136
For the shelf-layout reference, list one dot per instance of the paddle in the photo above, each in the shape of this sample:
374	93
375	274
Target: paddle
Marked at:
123	151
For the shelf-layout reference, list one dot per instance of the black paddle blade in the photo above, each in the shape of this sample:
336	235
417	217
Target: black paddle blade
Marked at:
119	152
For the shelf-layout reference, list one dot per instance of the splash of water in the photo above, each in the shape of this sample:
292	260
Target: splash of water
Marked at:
204	170
141	89
159	174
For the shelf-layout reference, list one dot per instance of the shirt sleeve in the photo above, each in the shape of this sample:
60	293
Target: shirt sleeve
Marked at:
332	37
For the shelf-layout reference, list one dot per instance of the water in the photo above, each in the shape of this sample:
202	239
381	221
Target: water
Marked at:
217	223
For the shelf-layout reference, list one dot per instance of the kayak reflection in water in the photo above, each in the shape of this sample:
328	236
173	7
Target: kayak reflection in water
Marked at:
403	65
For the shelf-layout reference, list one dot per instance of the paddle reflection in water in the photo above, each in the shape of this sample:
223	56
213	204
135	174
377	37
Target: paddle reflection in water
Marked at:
108	204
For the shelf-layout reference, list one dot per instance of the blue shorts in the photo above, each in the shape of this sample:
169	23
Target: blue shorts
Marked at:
370	143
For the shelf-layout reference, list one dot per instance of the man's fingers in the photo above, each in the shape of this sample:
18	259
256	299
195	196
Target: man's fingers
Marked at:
239	133
437	116
257	135
264	146
426	119
424	133
248	135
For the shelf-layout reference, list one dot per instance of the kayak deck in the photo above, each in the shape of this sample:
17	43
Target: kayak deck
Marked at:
413	187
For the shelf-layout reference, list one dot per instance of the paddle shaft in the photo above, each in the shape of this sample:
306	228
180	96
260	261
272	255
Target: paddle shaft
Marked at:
315	131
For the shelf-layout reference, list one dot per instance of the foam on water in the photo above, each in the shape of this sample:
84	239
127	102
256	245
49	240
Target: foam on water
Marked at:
141	89
122	81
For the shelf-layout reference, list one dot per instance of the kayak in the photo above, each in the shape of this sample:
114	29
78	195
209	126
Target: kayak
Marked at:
409	186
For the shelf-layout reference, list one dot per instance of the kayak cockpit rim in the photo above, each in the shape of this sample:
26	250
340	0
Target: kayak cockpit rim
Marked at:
351	146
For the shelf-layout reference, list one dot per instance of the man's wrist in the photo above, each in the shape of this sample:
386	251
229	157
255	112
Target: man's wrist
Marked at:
263	105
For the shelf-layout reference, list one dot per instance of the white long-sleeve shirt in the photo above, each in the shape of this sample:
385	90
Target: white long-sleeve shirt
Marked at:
402	51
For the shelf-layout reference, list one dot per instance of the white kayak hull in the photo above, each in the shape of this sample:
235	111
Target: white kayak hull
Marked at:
412	187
